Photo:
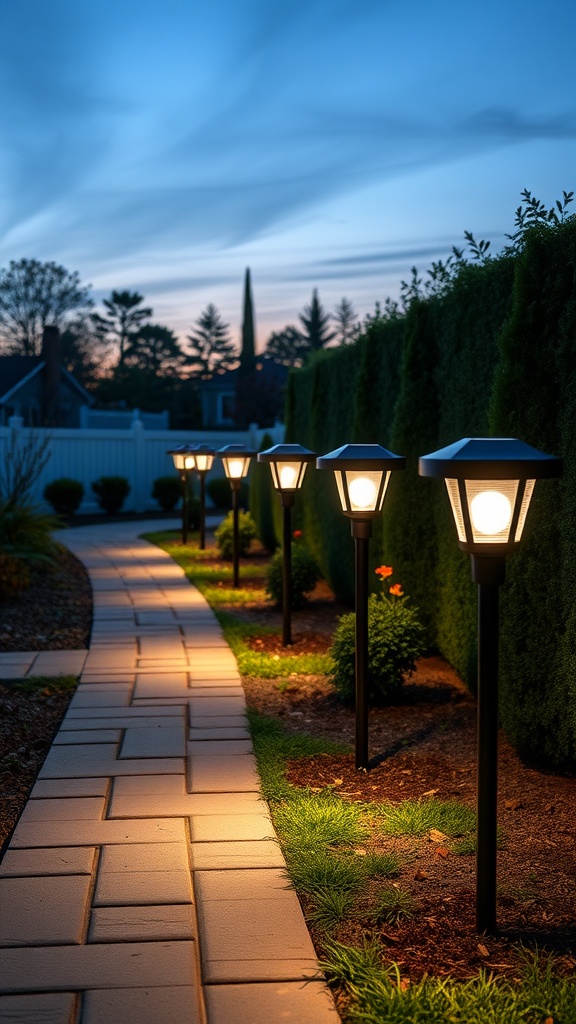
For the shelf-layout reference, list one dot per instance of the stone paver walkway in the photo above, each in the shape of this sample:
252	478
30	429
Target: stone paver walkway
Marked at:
143	883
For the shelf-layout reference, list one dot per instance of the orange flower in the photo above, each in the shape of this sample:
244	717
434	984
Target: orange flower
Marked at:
384	571
396	590
297	534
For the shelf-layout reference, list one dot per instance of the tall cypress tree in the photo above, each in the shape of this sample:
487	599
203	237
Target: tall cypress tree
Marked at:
248	354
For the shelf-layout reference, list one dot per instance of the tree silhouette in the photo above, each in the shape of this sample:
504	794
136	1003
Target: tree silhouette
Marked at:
346	322
34	295
155	350
122	320
288	347
211	348
315	323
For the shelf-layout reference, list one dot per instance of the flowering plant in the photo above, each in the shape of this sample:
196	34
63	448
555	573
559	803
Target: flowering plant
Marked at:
395	640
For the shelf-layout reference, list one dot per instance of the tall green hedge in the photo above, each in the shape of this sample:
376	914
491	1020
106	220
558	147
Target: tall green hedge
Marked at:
495	355
262	497
535	399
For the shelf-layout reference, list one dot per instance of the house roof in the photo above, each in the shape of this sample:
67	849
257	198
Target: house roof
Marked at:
17	370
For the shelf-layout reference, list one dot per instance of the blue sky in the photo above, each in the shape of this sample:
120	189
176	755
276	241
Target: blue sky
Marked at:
165	146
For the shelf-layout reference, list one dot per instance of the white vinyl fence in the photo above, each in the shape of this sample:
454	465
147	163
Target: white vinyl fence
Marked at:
137	454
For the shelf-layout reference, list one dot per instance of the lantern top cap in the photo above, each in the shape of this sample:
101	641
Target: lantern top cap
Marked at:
489	458
361	456
182	449
204	449
286	453
234	449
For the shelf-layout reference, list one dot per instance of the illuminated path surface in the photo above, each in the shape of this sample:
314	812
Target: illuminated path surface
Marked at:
143	883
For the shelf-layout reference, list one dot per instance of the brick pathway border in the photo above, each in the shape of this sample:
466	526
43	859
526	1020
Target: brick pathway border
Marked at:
144	883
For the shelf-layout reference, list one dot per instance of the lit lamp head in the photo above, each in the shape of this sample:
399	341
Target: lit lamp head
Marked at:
236	460
288	465
362	474
490	481
183	456
203	458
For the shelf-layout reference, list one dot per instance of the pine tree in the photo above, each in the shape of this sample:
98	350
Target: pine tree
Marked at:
248	353
346	322
212	350
315	323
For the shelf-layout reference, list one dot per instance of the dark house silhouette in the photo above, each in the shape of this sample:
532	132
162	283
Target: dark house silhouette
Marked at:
40	389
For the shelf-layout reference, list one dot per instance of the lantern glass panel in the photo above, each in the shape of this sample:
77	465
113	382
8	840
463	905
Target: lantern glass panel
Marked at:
491	504
454	495
361	490
287	476
236	467
528	490
189	461
203	462
179	461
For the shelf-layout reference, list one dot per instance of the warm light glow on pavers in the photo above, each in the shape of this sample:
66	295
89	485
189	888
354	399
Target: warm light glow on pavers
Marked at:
143	883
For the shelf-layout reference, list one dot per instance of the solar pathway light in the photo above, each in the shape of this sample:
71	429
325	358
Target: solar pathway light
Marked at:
362	474
203	459
236	460
490	481
183	457
288	465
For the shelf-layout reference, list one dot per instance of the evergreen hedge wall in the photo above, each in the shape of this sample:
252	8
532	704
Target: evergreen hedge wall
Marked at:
495	355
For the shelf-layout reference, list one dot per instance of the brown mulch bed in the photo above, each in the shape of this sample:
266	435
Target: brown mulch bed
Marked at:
54	613
425	746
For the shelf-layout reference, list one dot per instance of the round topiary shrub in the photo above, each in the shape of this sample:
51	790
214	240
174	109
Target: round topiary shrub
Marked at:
305	574
395	641
65	495
112	492
225	534
167	491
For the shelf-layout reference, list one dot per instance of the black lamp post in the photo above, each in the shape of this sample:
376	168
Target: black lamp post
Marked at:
288	465
203	459
490	481
236	460
362	474
183	456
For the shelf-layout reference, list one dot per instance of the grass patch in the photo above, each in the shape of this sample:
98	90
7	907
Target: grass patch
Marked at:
381	994
330	908
417	817
273	746
43	684
318	871
309	821
393	905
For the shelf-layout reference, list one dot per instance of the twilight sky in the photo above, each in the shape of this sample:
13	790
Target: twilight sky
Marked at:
165	145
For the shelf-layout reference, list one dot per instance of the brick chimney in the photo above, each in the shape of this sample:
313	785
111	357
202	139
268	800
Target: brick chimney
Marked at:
51	374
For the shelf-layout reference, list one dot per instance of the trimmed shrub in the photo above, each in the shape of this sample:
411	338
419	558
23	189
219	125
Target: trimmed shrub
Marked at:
112	492
305	573
65	495
167	491
395	641
225	534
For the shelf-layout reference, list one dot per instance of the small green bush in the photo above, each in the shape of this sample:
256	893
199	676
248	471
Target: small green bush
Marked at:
112	492
167	491
395	640
225	534
65	495
220	492
305	573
